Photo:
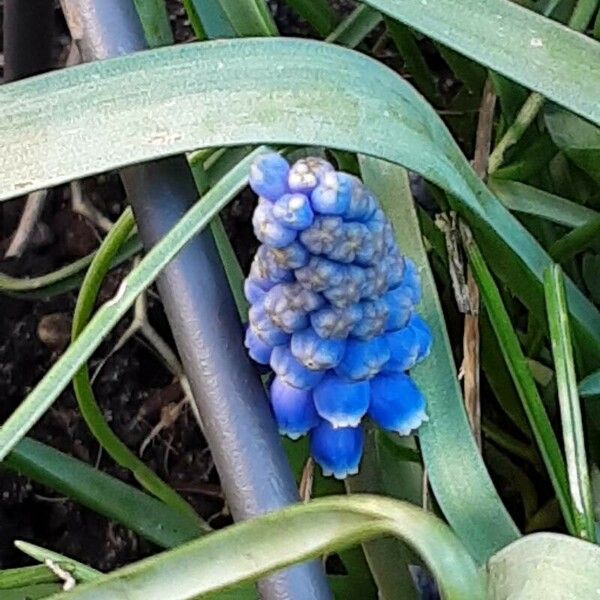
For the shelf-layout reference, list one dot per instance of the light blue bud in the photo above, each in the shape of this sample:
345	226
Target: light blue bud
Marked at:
332	195
335	323
316	353
268	230
292	371
293	211
372	324
306	174
269	175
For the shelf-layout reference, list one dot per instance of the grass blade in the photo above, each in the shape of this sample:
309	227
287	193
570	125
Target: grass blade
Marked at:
527	199
249	550
318	13
355	27
105	495
459	477
570	411
82	385
57	378
80	571
532	403
155	22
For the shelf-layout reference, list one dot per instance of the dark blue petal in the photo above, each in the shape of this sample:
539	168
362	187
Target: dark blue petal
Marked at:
257	349
400	305
335	323
293	211
316	353
343	403
332	195
396	403
337	451
363	359
293	408
307	173
268	230
291	371
269	175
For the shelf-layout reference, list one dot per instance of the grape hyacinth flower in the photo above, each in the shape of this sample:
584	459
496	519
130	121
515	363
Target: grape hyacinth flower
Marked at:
333	310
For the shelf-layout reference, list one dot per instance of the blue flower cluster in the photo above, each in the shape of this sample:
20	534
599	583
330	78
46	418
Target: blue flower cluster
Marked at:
332	310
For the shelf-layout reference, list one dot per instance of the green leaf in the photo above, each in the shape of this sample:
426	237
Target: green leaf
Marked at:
591	275
340	112
411	54
249	17
568	398
21	576
517	365
246	551
155	22
316	12
544	565
536	52
590	386
527	199
577	138
212	17
458	476
355	27
91	412
106	495
108	315
32	592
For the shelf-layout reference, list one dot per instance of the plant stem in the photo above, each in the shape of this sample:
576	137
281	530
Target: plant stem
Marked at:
568	398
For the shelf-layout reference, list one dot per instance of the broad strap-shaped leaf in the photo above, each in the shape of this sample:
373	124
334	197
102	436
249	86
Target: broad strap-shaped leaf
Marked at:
249	550
101	116
456	470
545	565
528	48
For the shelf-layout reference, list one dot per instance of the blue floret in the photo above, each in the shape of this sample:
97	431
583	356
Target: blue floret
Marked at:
372	324
332	195
293	408
362	204
400	305
320	274
289	304
412	280
264	328
307	173
353	238
257	349
363	359
343	403
316	353
337	451
290	257
424	336
324	235
268	230
293	211
349	290
404	349
269	175
396	403
335	323
292	371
